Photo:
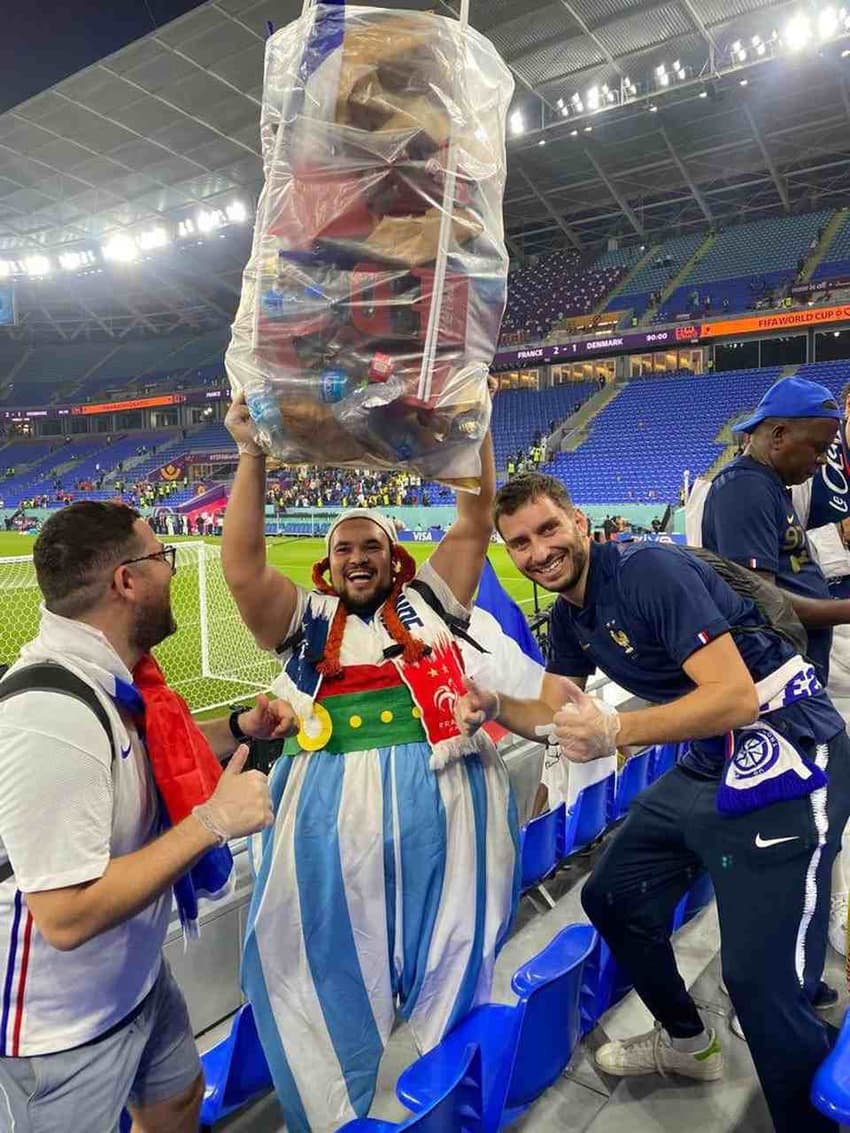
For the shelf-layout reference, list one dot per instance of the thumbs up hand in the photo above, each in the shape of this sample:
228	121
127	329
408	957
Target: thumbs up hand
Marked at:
585	726
475	708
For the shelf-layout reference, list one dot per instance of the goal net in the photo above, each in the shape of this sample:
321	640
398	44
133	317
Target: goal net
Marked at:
211	661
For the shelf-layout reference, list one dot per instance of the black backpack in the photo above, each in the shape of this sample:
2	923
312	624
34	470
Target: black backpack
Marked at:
773	604
47	676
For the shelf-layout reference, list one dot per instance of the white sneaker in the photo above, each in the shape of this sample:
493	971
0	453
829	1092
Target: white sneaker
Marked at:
651	1053
838	923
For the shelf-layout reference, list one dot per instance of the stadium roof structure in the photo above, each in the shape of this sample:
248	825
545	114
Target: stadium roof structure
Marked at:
631	119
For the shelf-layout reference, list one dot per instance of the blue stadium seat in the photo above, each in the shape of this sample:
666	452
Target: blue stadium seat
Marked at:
235	1070
831	1085
588	816
663	758
524	1047
632	779
541	842
457	1109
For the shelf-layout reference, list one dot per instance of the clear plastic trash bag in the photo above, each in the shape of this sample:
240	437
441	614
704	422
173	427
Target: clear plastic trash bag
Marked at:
372	299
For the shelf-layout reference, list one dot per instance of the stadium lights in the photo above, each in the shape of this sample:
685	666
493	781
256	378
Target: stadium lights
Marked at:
153	238
592	98
517	124
798	32
208	220
37	266
542	142
73	261
565	110
560	104
703	94
236	212
121	249
186	228
827	23
573	133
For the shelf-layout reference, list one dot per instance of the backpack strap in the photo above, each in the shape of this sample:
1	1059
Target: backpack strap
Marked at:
458	626
47	676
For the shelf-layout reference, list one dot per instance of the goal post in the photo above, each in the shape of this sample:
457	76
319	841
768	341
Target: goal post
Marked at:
211	661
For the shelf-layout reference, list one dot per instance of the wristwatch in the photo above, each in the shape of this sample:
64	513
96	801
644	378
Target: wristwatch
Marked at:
233	723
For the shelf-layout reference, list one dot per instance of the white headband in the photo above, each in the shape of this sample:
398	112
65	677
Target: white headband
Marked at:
383	521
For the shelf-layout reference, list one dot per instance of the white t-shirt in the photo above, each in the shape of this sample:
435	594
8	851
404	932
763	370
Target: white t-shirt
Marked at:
66	808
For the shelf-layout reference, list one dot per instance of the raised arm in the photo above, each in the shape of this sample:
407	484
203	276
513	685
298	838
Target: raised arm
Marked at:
459	559
265	597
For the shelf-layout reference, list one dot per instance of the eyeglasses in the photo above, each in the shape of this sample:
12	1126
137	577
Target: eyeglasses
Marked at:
166	555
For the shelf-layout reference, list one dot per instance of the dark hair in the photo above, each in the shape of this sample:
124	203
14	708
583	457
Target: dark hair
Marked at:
523	489
76	546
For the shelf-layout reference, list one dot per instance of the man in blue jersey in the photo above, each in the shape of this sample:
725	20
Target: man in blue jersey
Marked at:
749	515
749	802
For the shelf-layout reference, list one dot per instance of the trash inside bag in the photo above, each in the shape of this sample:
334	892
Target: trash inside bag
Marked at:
372	299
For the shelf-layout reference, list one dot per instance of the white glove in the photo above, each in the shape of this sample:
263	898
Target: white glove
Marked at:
240	804
584	727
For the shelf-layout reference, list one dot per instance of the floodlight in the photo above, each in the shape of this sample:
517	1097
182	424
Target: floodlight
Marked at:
121	249
798	32
517	124
592	97
236	212
153	238
37	265
827	23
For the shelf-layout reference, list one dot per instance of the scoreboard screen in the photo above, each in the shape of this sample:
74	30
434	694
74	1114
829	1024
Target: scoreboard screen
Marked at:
7	306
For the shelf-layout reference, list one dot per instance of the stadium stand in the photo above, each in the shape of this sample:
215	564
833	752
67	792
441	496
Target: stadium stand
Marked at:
555	288
836	258
747	263
664	263
641	443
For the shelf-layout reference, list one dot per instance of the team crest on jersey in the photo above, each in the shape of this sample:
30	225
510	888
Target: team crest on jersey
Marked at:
620	637
755	753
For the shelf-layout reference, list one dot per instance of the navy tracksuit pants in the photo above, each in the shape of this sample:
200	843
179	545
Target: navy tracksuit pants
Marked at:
771	873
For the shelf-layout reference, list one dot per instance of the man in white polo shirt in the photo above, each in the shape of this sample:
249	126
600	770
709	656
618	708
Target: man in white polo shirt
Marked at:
91	1018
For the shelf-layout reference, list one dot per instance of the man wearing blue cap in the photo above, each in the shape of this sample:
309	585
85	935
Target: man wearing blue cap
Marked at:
749	515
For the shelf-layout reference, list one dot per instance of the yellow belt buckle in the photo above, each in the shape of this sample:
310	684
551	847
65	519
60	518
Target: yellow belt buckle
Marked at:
315	731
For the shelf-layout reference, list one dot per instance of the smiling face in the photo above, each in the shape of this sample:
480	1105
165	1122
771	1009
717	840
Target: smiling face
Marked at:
547	543
361	564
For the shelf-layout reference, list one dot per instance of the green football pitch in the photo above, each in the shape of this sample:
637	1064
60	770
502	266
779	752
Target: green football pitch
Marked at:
295	557
231	654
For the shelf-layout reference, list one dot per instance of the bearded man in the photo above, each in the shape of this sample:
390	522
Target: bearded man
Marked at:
390	876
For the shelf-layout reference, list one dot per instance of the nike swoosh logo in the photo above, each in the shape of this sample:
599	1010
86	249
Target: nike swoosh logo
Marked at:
126	751
762	843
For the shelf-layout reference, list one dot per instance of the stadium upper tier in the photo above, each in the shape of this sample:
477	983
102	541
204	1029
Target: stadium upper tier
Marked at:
731	270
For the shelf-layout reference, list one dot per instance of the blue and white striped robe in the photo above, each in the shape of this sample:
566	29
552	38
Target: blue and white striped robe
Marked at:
383	887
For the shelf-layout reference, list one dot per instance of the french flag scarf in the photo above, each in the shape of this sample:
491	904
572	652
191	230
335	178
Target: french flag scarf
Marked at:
185	771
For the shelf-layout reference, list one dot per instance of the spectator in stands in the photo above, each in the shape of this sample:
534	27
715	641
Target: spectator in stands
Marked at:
92	1017
377	732
660	622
